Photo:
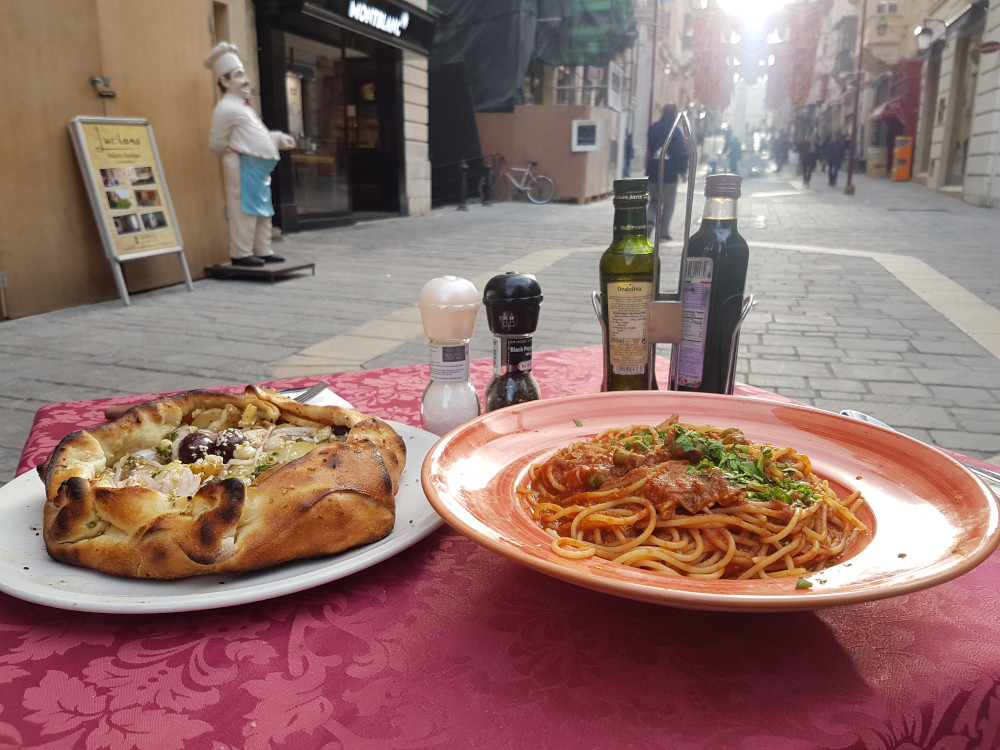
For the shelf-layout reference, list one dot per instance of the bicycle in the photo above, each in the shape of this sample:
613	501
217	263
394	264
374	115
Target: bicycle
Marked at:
538	188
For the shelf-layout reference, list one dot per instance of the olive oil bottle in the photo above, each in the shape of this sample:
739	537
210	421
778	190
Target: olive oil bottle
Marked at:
628	278
713	280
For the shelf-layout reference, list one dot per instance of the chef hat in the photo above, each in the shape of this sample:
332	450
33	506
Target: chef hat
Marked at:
223	59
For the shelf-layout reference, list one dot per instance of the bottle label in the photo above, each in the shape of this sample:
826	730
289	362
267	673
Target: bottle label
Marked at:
449	363
696	294
632	228
511	354
630	219
628	325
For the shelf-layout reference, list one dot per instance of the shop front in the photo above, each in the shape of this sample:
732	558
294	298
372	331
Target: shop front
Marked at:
332	76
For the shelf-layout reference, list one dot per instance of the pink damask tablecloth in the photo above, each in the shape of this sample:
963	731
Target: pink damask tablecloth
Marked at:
448	645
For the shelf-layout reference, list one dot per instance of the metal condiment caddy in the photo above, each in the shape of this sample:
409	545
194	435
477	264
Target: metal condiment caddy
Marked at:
666	310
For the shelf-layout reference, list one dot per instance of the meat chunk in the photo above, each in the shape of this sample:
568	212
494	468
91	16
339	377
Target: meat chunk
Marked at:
670	484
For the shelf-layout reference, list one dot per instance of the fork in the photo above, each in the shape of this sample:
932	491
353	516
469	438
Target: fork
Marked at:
860	415
312	391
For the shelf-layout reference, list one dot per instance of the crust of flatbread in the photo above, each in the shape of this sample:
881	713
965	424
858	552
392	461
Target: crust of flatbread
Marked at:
337	496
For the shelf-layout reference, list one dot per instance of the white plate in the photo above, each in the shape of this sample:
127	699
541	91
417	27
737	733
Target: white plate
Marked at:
27	572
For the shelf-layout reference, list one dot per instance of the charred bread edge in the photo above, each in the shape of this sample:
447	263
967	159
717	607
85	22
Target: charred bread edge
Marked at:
328	415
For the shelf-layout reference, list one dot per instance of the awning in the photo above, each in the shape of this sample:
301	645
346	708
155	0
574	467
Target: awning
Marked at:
891	108
974	11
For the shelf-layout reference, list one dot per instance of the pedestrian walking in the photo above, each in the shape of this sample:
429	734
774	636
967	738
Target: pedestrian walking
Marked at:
675	165
734	151
808	155
834	155
780	151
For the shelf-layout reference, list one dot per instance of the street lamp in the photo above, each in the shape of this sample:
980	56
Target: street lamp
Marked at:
924	35
849	189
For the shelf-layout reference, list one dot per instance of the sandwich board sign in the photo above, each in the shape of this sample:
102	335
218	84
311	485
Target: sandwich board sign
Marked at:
128	194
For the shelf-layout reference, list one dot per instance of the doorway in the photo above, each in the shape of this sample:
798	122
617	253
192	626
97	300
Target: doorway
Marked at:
374	132
929	111
314	90
340	98
964	85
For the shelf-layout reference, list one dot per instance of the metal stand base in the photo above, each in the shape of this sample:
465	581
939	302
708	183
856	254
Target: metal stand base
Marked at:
270	272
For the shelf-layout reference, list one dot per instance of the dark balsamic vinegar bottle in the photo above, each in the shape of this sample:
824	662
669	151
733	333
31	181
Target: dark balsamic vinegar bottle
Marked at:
512	301
712	281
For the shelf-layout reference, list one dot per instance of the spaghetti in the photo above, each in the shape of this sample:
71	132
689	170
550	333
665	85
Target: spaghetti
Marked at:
692	501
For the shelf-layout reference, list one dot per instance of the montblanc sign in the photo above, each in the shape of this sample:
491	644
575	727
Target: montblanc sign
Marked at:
378	18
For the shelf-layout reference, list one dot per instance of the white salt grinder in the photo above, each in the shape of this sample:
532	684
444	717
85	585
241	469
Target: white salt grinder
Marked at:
448	307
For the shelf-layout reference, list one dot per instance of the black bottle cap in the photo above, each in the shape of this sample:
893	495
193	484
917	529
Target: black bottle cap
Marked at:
723	186
512	301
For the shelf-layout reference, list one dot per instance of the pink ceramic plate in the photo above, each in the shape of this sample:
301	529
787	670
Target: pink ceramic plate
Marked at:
931	520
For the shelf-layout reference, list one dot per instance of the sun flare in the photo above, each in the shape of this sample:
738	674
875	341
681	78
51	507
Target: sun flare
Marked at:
753	12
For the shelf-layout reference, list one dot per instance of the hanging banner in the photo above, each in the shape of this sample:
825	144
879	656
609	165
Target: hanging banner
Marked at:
776	93
804	26
713	77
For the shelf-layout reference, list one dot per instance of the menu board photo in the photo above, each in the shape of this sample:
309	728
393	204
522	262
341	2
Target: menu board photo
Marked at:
129	196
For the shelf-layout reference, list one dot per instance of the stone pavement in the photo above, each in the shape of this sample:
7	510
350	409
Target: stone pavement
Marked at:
885	301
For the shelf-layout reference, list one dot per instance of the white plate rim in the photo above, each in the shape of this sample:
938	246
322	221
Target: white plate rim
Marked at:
28	573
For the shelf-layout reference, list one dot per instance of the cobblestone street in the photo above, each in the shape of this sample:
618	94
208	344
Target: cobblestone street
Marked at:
885	301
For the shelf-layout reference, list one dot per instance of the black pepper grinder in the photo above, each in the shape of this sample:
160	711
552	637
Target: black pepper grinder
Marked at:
512	301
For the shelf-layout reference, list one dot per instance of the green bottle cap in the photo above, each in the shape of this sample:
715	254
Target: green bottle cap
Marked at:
631	186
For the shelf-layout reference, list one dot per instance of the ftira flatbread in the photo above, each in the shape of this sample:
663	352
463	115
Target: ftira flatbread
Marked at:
203	482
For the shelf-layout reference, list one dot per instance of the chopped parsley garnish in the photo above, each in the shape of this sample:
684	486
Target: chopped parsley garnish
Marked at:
737	463
261	468
578	423
753	474
803	583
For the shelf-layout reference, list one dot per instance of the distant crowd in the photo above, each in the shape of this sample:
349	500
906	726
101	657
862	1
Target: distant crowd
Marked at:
828	154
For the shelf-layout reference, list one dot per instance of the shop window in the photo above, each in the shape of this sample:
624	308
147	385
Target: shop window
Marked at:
586	135
687	38
315	96
615	78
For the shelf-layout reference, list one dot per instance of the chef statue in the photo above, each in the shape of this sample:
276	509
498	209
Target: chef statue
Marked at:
249	154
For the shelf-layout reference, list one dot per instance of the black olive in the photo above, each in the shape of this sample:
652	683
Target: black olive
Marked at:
194	446
226	442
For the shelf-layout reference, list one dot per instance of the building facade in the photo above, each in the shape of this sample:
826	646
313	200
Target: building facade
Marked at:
663	67
958	146
929	71
348	80
333	74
